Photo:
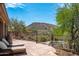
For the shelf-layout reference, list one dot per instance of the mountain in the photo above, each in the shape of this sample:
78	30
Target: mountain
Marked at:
41	26
40	32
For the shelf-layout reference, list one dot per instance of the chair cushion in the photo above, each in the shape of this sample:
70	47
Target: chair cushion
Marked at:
3	45
13	50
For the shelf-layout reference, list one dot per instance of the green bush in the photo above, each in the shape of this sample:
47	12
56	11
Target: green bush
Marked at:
43	38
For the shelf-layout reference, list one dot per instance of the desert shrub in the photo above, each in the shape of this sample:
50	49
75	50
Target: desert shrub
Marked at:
43	38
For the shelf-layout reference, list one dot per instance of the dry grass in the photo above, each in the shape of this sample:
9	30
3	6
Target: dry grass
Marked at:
61	52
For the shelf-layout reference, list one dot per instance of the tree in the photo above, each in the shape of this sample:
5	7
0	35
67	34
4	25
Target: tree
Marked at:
18	27
67	19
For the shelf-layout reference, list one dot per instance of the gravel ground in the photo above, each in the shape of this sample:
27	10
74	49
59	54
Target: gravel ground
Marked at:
36	49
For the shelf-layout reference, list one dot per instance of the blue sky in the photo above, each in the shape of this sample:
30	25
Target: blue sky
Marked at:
33	12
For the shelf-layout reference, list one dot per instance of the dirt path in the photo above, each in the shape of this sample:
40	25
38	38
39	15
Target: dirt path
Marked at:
37	49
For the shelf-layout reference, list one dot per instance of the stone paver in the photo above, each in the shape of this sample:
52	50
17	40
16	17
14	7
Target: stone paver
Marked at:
37	49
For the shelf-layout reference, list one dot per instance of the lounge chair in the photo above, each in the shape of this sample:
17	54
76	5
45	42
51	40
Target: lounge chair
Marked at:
13	50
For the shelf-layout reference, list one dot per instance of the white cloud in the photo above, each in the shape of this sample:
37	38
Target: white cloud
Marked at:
61	5
14	5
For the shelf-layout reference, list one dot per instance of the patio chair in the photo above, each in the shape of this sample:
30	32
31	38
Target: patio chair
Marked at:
13	49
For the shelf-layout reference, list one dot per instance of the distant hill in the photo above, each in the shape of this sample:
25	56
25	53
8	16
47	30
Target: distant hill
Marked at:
40	31
41	26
